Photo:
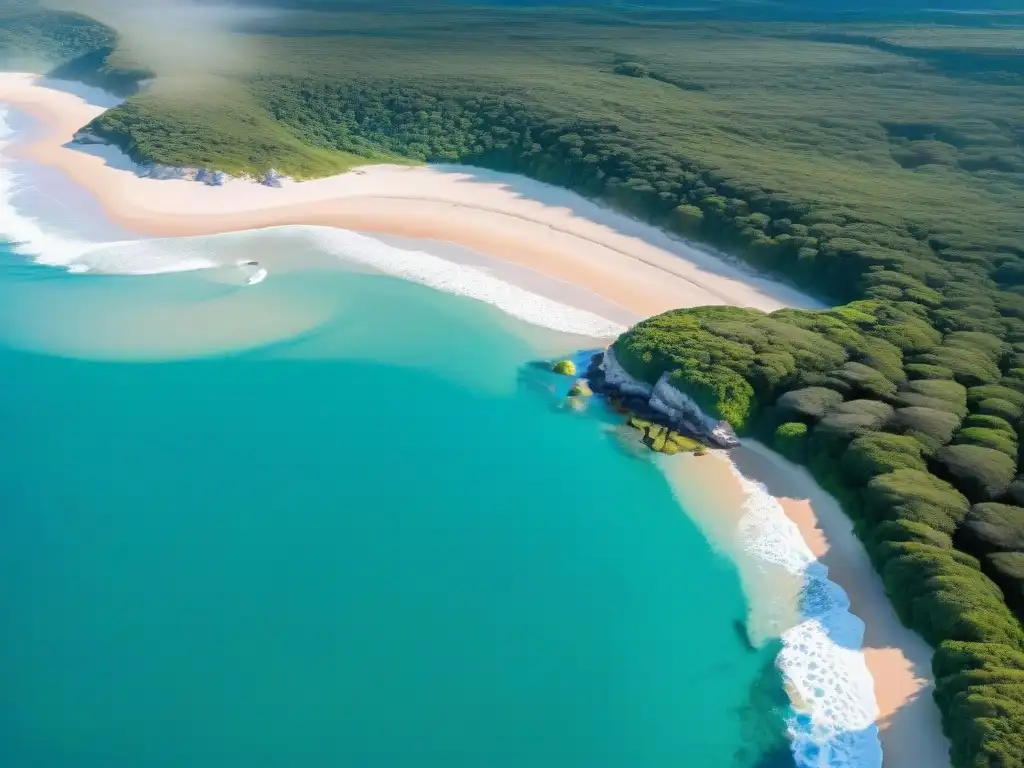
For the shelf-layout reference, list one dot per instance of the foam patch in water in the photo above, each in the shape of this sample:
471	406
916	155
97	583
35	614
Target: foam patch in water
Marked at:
834	708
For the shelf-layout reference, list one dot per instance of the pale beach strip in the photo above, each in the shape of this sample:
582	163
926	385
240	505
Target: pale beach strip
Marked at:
899	660
553	233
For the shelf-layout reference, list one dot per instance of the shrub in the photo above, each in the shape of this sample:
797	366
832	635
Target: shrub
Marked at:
932	428
791	439
996	406
908	494
887	539
986	421
953	656
1007	570
969	367
984	731
865	381
882	356
914	400
976	394
989	676
991	527
981	473
946	599
908	530
1015	492
926	371
809	403
848	421
950	392
878	453
994	348
987	438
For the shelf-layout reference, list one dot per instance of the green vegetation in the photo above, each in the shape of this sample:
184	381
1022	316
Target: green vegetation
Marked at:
875	163
659	438
35	38
856	165
983	473
879	453
991	527
908	426
791	440
564	368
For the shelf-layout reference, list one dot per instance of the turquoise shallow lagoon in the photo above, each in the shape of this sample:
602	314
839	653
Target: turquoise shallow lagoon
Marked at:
371	539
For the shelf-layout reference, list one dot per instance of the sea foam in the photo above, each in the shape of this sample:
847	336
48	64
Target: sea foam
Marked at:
32	237
464	280
36	239
832	724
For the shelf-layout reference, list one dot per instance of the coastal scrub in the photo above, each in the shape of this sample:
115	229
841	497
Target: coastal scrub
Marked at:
908	427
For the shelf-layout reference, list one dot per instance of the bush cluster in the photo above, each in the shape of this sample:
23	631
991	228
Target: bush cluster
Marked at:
912	426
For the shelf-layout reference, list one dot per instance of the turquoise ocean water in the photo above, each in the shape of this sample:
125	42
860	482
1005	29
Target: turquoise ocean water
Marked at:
371	539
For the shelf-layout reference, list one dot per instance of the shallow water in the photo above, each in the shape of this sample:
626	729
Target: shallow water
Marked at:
491	577
370	536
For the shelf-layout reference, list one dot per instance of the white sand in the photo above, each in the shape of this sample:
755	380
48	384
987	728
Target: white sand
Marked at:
546	229
898	658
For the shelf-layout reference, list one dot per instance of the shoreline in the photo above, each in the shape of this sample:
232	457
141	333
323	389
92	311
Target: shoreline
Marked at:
899	660
555	236
549	230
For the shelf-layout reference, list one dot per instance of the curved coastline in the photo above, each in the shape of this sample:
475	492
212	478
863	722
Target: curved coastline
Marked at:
561	237
552	231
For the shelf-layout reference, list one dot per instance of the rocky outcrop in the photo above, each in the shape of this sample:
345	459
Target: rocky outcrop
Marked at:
85	137
677	405
662	403
211	178
615	377
158	171
272	178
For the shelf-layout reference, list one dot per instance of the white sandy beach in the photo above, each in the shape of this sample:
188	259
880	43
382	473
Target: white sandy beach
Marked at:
549	230
532	227
899	660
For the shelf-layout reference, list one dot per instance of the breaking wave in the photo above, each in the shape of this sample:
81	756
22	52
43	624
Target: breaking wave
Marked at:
43	243
832	724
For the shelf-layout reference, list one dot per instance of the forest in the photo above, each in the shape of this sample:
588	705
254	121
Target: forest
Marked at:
917	432
874	160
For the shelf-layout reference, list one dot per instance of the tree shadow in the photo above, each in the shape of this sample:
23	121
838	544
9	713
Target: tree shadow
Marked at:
620	225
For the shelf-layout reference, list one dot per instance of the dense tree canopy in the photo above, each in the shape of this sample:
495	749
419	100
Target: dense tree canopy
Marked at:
912	425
